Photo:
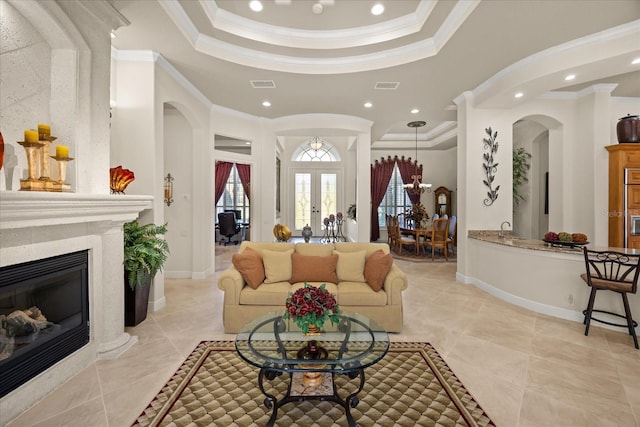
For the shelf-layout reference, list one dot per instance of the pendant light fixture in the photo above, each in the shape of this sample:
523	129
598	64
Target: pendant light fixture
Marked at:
316	143
416	187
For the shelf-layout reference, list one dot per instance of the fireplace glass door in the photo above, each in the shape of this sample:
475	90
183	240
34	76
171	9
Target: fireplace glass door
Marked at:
44	315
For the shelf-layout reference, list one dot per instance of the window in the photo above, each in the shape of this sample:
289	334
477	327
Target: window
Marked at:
396	200
316	150
234	197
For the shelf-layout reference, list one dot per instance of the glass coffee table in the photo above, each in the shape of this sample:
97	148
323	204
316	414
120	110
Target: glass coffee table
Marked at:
277	346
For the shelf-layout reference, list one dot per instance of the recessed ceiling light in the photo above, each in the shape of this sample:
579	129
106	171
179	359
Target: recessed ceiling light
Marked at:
518	95
377	9
569	77
635	61
368	105
247	143
317	8
266	104
415	111
255	5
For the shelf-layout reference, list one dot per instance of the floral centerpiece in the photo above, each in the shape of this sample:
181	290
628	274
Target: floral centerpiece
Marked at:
417	213
311	306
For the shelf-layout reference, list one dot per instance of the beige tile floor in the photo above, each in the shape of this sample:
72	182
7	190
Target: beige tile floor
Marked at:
525	369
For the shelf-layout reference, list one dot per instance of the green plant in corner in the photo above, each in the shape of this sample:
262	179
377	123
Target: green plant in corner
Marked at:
145	252
521	166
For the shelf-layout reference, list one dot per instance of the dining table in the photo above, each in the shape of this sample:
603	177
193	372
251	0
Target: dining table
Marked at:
417	232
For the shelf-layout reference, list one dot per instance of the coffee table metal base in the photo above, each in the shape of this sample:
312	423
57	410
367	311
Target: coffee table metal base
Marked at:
271	402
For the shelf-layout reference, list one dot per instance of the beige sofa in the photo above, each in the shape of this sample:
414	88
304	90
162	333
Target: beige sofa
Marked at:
242	303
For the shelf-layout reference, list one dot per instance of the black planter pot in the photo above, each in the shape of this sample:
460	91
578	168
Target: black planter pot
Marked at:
136	302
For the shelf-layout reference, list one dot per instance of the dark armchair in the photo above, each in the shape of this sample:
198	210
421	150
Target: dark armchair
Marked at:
228	227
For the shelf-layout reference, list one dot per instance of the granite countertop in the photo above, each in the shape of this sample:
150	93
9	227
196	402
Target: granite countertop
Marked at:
492	236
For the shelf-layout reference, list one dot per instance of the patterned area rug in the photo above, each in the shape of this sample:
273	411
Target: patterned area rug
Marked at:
411	386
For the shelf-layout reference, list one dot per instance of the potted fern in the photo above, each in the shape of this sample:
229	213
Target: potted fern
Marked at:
145	252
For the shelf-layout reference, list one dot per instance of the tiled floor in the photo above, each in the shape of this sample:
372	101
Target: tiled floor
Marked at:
525	369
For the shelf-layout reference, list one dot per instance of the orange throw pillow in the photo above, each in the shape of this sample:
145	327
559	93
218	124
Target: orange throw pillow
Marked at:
314	268
249	264
376	269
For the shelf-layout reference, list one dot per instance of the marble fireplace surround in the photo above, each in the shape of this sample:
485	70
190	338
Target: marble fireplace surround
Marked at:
36	225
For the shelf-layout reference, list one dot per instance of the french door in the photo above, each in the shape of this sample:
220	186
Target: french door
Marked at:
315	197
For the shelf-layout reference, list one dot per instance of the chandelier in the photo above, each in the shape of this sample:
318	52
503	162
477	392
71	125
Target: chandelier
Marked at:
316	143
416	187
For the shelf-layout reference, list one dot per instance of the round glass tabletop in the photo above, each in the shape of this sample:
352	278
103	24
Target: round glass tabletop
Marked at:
277	344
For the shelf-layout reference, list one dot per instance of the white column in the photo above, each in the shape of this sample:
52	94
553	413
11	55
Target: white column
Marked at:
107	322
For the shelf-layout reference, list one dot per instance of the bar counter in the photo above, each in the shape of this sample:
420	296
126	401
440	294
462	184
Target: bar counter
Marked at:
535	275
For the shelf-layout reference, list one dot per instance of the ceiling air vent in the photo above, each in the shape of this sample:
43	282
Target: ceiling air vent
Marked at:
263	84
387	85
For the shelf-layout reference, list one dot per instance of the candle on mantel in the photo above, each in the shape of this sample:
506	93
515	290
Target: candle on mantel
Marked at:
30	136
44	131
62	151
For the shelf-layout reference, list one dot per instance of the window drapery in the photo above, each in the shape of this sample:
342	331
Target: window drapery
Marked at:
223	169
381	172
407	169
244	172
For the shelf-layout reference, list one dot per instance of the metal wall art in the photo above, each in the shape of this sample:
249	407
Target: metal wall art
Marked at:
490	168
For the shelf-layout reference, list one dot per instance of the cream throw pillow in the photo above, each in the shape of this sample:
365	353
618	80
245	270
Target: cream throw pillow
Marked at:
351	266
277	265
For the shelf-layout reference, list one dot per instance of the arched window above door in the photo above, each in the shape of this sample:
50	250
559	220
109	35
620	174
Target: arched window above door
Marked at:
316	149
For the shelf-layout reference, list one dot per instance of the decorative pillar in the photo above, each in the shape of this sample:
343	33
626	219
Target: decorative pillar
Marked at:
108	316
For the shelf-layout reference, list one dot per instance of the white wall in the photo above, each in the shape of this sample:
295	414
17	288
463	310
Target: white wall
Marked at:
178	149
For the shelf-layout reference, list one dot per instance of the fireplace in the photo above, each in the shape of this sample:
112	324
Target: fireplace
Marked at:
44	315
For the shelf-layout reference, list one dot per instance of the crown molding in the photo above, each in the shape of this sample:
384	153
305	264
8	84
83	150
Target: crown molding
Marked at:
318	39
304	65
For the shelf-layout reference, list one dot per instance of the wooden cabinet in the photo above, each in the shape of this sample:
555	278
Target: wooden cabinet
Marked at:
442	201
624	159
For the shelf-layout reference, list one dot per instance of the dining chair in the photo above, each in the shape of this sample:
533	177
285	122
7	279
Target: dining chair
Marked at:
611	271
400	240
453	232
439	237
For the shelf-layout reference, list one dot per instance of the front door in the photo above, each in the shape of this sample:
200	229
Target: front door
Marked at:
315	198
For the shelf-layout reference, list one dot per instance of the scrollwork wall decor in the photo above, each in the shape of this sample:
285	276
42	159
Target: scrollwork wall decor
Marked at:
490	168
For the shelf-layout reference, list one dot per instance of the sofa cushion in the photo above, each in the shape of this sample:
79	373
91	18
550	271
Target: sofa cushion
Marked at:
313	268
350	266
376	269
277	265
352	294
369	248
267	294
314	249
249	264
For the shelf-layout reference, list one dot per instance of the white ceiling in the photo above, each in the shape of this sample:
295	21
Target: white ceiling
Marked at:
435	50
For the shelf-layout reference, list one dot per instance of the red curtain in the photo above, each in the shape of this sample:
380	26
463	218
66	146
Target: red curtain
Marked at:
407	169
381	172
244	172
223	169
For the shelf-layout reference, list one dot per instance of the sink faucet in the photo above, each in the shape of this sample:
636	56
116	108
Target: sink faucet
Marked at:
501	235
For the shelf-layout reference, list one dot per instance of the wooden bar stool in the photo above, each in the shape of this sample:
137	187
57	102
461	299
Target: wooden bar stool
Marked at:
611	271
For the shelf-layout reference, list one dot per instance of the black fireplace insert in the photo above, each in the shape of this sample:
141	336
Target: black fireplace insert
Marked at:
44	315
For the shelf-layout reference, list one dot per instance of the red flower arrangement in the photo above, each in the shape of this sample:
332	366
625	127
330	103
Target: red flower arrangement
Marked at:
311	305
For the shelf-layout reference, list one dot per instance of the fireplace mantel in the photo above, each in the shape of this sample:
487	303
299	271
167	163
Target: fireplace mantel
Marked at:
20	209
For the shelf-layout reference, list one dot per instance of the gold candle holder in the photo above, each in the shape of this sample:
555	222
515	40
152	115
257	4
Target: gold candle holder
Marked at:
45	160
60	184
32	183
